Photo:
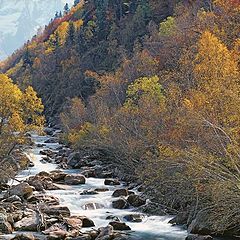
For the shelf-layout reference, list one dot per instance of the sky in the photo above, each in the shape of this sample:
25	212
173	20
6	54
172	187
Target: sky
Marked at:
20	20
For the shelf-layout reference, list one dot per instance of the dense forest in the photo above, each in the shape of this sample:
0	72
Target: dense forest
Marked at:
155	85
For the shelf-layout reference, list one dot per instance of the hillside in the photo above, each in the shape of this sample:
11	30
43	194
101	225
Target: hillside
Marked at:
90	37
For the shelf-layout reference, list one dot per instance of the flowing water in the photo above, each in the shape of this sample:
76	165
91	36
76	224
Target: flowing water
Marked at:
152	227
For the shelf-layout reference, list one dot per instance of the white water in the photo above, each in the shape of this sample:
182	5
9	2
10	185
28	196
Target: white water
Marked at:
152	228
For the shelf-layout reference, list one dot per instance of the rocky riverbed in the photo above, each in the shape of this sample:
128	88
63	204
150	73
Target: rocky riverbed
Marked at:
65	195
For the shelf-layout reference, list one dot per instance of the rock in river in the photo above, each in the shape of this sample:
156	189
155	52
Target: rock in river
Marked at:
135	200
22	190
121	203
120	192
74	179
111	182
120	226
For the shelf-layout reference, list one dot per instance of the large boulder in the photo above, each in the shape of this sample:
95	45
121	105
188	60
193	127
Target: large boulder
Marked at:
74	179
42	182
120	226
120	192
28	223
22	190
57	175
120	203
135	200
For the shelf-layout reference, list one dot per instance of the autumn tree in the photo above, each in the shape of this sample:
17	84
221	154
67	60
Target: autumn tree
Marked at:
19	112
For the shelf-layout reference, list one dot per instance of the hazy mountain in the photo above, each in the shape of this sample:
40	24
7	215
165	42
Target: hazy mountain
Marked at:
21	19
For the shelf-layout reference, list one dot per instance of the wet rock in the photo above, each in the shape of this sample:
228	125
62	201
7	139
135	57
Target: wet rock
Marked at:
106	233
28	223
56	211
89	192
136	201
106	174
22	190
134	217
74	179
120	192
92	206
49	131
73	222
24	236
47	152
56	231
46	199
113	218
120	226
120	204
31	164
101	189
42	182
111	182
198	237
57	175
39	145
51	140
86	222
89	173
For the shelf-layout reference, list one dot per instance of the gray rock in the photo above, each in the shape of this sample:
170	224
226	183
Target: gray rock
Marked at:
86	222
121	203
22	190
106	233
56	211
134	217
92	206
111	182
135	200
120	226
28	223
74	179
120	192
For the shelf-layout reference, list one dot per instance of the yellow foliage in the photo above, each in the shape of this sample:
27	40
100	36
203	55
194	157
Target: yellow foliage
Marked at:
78	24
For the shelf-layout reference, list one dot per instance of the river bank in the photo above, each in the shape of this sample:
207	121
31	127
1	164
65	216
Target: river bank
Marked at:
91	202
86	202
